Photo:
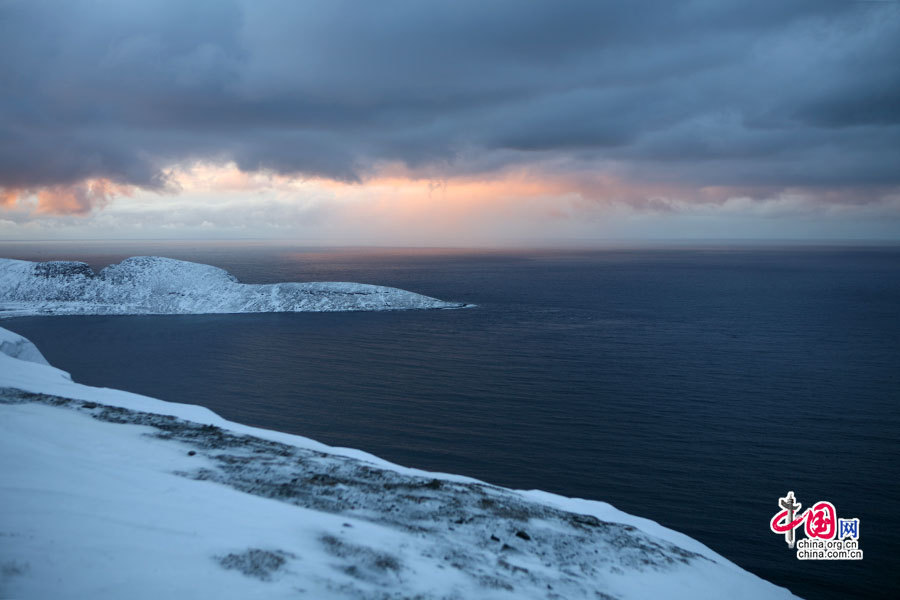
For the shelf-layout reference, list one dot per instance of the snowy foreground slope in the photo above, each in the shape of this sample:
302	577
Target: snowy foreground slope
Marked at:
107	494
155	285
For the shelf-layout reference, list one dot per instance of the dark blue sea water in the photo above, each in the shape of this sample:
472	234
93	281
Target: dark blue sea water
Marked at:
693	386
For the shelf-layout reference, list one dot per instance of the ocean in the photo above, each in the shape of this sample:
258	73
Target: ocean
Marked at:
692	385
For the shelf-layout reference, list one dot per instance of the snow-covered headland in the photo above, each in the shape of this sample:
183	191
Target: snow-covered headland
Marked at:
108	494
155	285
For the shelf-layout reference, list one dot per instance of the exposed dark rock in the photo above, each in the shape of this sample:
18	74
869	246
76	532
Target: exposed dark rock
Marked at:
63	268
13	568
362	562
257	563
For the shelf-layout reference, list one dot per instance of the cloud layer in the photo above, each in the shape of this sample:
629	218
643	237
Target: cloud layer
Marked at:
691	96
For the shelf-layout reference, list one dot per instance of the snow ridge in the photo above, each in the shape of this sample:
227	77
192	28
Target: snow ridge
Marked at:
157	285
14	345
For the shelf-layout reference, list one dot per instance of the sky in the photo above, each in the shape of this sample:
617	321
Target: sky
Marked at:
450	123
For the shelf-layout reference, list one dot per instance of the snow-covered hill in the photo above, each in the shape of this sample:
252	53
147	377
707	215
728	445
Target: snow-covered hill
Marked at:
155	285
107	494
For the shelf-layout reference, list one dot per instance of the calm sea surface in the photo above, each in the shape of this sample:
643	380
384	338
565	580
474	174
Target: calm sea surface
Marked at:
692	386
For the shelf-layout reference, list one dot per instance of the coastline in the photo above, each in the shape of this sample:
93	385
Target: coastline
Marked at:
448	515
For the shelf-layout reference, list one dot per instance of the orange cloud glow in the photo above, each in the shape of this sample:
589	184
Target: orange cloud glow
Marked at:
8	197
74	199
398	206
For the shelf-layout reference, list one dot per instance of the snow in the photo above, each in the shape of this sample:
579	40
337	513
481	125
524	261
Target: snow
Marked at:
108	494
156	285
14	345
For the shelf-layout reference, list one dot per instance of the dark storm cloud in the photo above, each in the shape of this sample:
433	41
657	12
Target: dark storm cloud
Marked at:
709	92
